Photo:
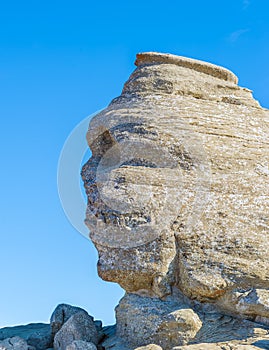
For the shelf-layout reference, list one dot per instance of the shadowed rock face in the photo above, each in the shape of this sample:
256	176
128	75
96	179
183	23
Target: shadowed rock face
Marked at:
178	189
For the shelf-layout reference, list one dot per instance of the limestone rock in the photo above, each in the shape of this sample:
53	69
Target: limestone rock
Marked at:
80	326
35	334
178	194
167	323
178	182
81	345
251	302
15	343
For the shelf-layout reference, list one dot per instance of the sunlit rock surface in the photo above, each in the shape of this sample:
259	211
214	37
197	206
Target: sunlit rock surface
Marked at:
178	194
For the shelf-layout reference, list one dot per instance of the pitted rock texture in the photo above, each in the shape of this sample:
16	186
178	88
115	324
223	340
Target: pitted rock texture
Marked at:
169	323
178	189
79	326
61	314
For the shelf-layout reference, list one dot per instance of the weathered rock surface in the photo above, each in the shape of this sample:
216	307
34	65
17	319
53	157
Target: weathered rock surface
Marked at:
70	326
36	334
168	323
81	345
178	195
61	314
250	344
15	343
80	326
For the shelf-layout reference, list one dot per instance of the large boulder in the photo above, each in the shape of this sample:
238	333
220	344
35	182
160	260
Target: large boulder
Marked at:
61	314
80	326
167	323
178	191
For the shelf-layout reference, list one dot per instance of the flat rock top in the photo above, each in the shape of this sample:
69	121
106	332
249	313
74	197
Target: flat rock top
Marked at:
146	58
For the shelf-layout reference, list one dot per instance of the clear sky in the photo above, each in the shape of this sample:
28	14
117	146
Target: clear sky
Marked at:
59	62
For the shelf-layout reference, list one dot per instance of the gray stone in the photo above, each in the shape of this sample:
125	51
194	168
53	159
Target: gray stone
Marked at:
15	343
80	326
81	345
99	328
35	334
61	314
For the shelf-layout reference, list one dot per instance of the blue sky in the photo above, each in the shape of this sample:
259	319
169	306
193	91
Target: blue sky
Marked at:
59	62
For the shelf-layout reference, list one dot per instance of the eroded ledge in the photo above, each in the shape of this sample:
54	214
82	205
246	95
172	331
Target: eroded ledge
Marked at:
148	58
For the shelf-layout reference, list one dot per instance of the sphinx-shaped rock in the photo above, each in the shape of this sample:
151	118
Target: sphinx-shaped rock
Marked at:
178	194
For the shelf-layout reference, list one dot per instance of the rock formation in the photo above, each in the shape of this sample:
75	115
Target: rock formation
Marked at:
70	328
178	198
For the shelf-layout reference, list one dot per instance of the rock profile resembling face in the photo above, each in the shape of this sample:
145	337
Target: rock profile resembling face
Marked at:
128	206
177	185
137	183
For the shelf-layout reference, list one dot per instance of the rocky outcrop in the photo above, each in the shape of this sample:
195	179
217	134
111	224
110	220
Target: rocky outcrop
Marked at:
70	328
15	343
178	198
35	334
223	332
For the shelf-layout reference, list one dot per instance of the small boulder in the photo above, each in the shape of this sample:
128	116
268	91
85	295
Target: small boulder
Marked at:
15	343
80	326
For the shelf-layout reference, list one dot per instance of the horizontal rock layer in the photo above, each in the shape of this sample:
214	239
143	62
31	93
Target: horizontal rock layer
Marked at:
178	198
